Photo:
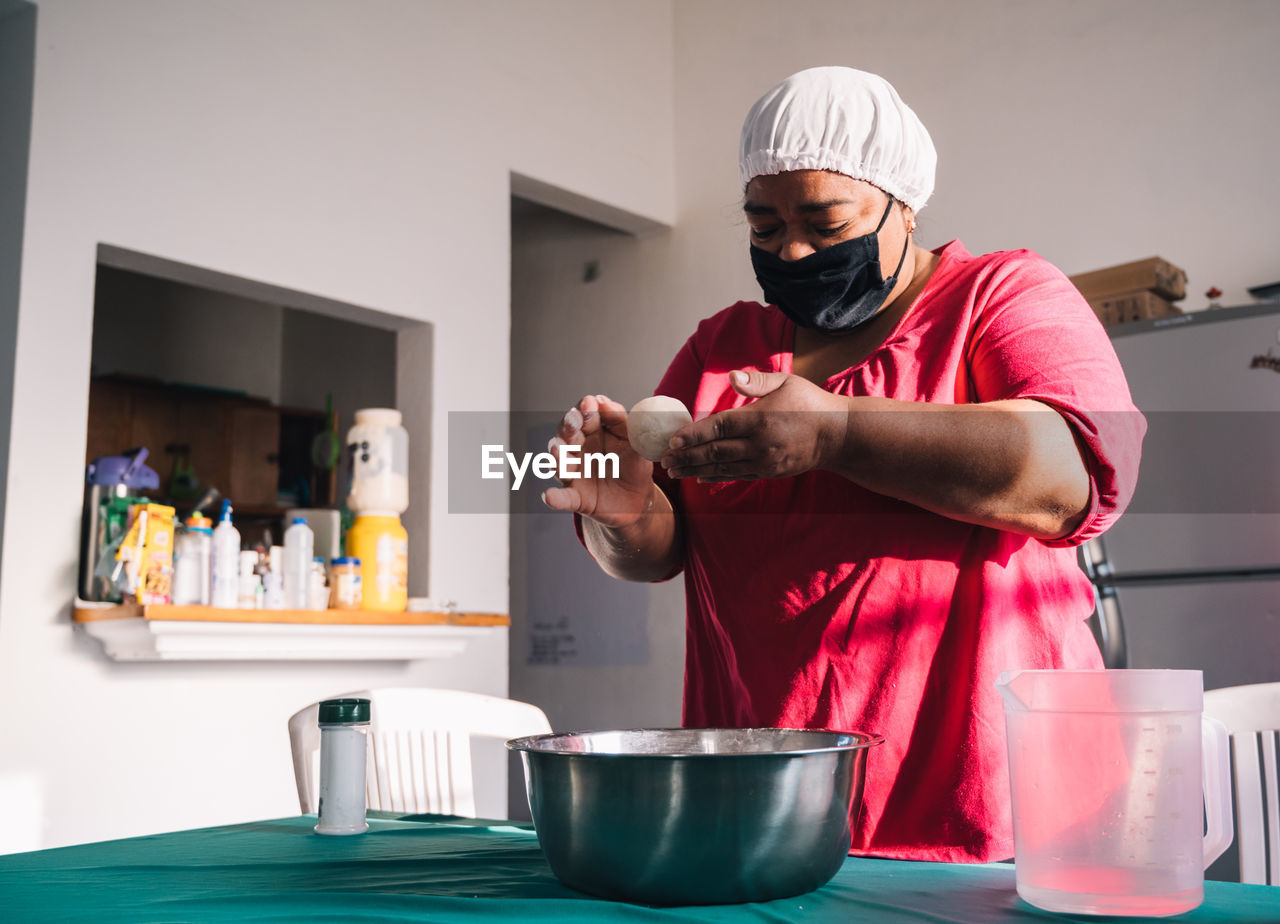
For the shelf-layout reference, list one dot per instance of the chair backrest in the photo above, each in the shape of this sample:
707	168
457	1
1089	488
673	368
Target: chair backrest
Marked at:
1252	716
419	756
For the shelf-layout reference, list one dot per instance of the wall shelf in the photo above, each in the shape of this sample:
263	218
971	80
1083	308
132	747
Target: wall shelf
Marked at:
130	632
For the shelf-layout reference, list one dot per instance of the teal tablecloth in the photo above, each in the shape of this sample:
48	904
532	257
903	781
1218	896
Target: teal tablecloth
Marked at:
439	870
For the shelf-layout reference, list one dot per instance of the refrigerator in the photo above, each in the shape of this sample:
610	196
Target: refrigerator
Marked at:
1190	574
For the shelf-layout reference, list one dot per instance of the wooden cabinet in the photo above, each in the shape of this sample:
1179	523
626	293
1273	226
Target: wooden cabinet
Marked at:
254	454
202	430
232	443
109	423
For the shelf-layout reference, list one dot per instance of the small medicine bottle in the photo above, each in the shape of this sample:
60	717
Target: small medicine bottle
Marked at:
343	747
344	575
318	589
249	584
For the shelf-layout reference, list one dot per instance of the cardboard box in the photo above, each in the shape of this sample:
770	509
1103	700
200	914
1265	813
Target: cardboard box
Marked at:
1139	305
1160	276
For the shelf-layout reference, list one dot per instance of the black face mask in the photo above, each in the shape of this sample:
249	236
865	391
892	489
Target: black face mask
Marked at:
833	289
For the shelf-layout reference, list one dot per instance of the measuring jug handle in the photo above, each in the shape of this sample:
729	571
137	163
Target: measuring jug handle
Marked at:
1215	773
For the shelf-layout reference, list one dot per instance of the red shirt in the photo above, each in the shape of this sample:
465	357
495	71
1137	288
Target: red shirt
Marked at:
814	603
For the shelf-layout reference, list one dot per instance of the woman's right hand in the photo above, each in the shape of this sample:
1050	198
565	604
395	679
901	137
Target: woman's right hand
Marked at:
598	424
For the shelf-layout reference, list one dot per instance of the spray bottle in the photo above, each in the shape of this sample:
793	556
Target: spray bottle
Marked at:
226	561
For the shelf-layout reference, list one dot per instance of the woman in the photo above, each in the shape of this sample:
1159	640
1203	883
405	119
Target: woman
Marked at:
876	507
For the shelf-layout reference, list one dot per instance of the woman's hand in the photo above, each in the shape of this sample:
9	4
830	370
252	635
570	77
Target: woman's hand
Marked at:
628	525
793	427
598	424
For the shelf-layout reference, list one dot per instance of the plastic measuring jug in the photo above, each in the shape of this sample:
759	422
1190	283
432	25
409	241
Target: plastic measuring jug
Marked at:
1109	773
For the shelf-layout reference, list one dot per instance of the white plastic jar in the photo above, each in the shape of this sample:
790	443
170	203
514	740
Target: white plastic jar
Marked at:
191	572
379	448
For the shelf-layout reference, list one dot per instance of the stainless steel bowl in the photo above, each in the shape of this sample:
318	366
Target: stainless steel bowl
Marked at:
694	816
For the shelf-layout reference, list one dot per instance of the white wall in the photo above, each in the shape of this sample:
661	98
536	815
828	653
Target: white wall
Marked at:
361	152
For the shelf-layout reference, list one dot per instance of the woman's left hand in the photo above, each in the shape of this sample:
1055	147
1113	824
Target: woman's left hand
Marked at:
792	427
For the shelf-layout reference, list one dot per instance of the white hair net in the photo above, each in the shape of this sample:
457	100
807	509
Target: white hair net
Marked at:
840	119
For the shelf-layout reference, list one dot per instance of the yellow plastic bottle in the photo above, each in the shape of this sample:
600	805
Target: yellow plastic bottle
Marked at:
382	545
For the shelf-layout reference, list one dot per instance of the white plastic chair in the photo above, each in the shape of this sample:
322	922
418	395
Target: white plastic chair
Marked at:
419	747
1252	716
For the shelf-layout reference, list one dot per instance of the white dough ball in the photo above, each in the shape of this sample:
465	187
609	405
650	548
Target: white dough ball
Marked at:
652	423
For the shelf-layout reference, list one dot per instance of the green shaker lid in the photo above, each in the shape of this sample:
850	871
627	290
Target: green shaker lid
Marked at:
344	711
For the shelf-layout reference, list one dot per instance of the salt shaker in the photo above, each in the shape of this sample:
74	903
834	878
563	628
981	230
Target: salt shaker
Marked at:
343	726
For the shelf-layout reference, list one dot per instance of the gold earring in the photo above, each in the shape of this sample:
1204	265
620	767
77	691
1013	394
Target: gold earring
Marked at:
911	228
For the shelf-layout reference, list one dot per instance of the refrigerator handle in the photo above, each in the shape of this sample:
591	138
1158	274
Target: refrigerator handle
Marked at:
1106	622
